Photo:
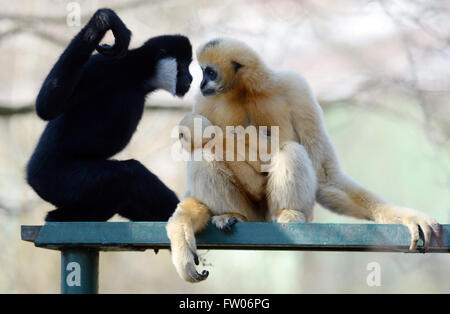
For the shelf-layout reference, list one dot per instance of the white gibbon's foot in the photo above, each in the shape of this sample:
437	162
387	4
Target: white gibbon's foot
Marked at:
288	215
413	220
227	221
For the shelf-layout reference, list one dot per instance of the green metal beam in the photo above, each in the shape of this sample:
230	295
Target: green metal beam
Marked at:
79	271
80	242
107	236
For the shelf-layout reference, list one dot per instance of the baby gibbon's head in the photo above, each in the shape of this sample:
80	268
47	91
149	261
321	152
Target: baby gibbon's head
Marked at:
190	126
229	65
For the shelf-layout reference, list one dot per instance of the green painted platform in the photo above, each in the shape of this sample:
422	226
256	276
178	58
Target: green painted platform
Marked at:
81	242
110	236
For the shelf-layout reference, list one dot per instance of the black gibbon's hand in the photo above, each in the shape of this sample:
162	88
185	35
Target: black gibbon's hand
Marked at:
102	21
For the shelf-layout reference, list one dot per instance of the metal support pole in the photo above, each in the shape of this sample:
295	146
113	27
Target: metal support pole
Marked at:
79	271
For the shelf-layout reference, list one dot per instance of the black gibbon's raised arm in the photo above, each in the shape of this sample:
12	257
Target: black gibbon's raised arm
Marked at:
93	105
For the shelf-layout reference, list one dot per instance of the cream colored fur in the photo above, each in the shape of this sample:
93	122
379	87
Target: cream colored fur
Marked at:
292	183
306	169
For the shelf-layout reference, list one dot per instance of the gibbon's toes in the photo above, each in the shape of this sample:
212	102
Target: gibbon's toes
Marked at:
194	276
184	264
106	50
224	222
231	222
438	234
415	236
111	51
429	229
205	274
199	277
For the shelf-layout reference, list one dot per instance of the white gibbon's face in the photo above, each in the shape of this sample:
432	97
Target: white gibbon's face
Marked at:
210	83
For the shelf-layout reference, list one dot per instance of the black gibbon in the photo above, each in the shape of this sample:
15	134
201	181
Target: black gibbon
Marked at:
93	104
238	89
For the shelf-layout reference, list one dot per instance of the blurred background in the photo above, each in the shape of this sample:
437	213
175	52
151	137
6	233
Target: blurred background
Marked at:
380	69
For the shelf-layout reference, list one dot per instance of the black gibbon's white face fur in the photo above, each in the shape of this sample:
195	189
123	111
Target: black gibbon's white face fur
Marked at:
210	82
172	77
166	75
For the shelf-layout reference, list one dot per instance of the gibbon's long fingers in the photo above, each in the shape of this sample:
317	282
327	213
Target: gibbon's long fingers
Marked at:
226	221
190	239
345	196
414	231
437	233
231	222
188	271
416	222
117	50
196	260
107	19
427	232
288	215
431	231
184	260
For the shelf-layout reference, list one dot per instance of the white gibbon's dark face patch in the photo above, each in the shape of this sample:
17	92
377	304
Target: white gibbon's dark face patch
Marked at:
210	82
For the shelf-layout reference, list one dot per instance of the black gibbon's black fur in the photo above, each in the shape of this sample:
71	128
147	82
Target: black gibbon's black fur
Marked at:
93	105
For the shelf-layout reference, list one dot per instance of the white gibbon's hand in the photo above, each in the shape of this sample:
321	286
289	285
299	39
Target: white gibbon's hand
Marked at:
190	217
184	253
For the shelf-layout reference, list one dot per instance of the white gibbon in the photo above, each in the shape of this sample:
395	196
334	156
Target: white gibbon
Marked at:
238	89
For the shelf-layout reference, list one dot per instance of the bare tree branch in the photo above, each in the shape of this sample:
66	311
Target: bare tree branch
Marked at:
13	31
411	61
6	110
47	19
49	37
25	206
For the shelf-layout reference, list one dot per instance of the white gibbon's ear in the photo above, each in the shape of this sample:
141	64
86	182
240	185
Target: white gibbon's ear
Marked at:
236	66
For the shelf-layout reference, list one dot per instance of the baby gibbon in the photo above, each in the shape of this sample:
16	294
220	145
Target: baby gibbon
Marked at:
238	89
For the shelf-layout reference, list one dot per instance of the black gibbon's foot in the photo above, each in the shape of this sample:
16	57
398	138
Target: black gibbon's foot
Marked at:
224	222
66	214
